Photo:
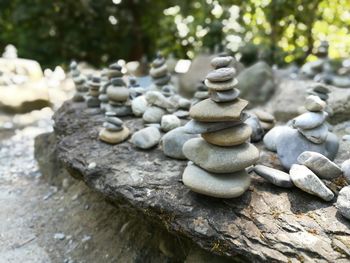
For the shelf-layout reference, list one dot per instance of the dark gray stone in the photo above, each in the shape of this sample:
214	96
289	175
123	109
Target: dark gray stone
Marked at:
274	176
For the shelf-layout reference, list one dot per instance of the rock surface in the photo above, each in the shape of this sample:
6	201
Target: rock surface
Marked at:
265	224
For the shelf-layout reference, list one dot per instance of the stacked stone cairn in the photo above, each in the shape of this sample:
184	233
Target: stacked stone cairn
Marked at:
117	92
308	132
267	120
218	160
79	82
135	89
113	131
159	72
320	90
103	97
94	87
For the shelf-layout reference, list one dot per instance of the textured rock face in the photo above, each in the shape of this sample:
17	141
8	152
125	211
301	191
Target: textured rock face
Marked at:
265	224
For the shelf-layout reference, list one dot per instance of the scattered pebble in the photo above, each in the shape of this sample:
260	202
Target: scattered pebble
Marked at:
59	236
92	166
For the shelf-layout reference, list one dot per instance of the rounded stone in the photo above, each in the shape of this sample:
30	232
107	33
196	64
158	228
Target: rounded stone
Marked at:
159	72
195	127
114	137
111	126
146	138
170	122
153	115
270	139
216	185
221	86
314	103
230	136
119	94
320	165
221	74
224	96
316	135
220	159
114	120
307	181
158	62
274	176
210	111
173	141
139	105
309	120
220	62
158	99
118	82
345	167
343	202
162	80
264	116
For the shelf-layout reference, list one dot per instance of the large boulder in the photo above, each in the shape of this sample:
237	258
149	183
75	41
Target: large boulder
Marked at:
24	67
24	97
257	83
265	224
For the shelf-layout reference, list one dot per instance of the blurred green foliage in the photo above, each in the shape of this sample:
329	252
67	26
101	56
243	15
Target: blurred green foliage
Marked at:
278	31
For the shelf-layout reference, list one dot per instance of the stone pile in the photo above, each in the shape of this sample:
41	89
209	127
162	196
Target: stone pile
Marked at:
146	138
157	106
267	120
308	132
135	89
320	90
117	92
103	97
94	87
79	82
159	72
113	131
218	159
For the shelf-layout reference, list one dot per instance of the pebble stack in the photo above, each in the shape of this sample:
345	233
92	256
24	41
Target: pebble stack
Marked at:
307	132
94	87
267	120
113	131
312	123
158	106
159	72
135	89
103	97
218	159
79	82
117	92
320	90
